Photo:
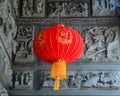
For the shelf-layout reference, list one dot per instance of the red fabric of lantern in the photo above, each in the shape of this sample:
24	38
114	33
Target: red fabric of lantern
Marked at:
58	43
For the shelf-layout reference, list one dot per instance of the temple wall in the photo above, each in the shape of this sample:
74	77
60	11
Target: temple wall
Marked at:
95	72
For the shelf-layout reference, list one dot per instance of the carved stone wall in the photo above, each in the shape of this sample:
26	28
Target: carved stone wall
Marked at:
64	8
97	69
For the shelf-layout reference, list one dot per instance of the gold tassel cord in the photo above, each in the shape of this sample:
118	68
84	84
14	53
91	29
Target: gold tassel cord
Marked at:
58	72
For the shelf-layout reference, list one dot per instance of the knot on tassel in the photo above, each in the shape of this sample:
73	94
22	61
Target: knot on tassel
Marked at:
58	72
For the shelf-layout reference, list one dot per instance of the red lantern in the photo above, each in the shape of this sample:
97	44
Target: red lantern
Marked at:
58	45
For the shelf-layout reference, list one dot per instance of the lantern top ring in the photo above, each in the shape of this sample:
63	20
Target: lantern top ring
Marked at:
58	24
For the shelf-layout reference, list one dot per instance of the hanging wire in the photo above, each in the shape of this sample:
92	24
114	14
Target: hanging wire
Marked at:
58	13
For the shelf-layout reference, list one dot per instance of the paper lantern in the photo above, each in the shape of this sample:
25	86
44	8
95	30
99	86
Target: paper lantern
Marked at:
58	45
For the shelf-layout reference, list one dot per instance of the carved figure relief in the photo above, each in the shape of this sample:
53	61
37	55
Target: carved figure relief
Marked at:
102	43
16	7
86	79
22	79
67	8
24	40
104	7
37	11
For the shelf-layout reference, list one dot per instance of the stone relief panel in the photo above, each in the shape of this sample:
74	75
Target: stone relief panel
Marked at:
104	7
32	8
3	91
101	43
85	79
67	8
24	39
22	80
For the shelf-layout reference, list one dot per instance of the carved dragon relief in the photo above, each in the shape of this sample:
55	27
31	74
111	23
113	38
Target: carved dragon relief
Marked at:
85	79
101	43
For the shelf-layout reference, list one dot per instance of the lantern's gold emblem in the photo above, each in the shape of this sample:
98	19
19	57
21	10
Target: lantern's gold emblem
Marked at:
64	37
41	39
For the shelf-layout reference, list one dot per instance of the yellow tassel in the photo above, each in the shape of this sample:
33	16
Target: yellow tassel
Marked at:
58	72
57	84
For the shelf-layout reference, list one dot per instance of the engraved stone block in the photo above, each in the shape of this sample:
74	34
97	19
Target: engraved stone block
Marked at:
67	8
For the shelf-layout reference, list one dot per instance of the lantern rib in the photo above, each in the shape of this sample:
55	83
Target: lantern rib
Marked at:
78	51
74	48
51	44
47	48
58	43
62	47
64	53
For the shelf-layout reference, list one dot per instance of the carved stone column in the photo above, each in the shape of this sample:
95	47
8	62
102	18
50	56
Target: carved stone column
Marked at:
7	35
